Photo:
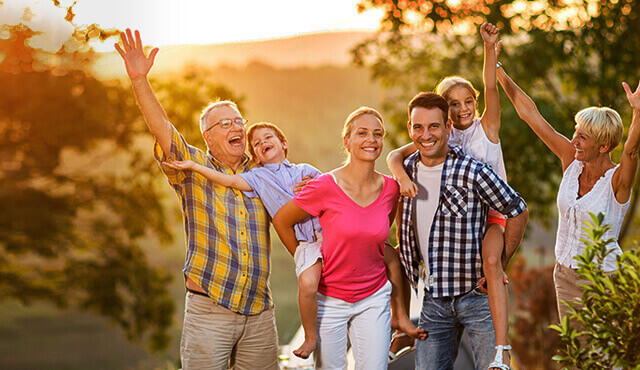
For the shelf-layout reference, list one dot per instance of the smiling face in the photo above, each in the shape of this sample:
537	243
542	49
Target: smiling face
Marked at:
365	141
226	145
429	132
462	106
587	148
267	147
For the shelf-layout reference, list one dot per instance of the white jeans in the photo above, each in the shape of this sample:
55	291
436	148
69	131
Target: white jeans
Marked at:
367	323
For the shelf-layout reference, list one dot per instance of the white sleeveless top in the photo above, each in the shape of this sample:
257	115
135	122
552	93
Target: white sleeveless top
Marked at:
572	212
474	142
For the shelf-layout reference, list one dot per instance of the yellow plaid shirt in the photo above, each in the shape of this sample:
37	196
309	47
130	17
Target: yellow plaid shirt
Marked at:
228	245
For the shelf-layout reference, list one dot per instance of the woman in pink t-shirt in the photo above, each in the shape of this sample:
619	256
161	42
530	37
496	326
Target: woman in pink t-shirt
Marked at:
355	206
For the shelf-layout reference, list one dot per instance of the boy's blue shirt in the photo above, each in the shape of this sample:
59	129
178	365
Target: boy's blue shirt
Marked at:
273	183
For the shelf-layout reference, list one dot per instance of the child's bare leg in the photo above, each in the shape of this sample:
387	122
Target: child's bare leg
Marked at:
399	309
308	304
400	339
492	246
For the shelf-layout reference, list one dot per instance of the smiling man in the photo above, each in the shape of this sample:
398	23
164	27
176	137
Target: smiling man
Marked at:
441	231
229	316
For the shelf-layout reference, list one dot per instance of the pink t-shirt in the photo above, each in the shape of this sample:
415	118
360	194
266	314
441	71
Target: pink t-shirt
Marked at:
352	237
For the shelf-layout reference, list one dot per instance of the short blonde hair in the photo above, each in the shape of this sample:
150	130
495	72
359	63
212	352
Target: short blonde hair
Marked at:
348	124
206	112
276	130
449	83
602	123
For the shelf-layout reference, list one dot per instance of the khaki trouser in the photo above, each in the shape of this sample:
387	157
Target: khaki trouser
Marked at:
568	288
214	337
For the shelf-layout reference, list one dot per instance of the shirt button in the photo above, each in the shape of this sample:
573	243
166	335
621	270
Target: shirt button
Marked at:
241	213
242	233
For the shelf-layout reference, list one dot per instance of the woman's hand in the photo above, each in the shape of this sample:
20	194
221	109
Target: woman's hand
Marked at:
137	64
632	97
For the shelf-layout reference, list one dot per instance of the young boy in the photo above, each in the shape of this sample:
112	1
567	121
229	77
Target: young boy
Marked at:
273	181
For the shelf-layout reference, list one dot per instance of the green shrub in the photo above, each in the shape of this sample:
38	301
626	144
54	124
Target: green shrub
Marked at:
610	309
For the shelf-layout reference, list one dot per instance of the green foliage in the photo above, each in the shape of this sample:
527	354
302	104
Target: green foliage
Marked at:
72	217
566	56
609	310
78	191
184	96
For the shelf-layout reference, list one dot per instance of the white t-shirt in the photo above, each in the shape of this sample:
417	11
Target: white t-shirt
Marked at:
428	182
474	142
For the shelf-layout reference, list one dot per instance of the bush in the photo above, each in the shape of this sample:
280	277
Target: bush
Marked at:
609	310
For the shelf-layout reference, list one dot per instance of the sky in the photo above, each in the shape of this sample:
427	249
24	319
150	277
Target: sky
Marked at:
174	22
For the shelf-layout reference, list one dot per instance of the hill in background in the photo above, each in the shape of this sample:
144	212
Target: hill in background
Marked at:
314	49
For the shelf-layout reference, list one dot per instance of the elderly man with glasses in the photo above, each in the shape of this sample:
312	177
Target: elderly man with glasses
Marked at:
229	316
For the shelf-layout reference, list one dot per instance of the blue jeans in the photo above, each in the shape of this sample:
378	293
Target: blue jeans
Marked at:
445	319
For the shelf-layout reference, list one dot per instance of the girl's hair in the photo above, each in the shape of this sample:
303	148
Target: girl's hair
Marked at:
602	123
279	134
449	83
348	124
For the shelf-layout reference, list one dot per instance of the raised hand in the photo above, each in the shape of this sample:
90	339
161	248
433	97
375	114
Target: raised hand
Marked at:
180	165
633	97
137	64
489	33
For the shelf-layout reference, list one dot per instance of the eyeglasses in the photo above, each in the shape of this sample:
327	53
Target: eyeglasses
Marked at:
226	123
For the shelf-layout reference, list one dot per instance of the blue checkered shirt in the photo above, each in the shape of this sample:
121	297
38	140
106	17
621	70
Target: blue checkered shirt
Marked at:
468	189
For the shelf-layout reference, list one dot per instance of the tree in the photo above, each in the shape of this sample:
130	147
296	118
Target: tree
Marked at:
566	55
609	310
78	192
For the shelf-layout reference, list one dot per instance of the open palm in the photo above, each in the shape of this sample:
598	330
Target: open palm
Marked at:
633	97
137	64
180	165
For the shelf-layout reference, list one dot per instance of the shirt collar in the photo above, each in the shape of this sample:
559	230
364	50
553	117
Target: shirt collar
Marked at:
454	151
219	165
276	166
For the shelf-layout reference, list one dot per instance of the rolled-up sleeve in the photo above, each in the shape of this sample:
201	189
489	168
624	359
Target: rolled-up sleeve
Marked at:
497	194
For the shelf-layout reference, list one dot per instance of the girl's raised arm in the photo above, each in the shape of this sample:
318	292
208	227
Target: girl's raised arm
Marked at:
491	115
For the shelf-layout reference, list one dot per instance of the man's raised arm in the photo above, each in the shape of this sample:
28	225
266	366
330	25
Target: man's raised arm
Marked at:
138	66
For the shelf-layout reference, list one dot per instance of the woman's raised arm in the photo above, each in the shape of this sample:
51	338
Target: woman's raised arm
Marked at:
625	175
528	112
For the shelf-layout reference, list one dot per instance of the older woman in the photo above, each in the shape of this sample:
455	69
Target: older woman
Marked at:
591	183
355	205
